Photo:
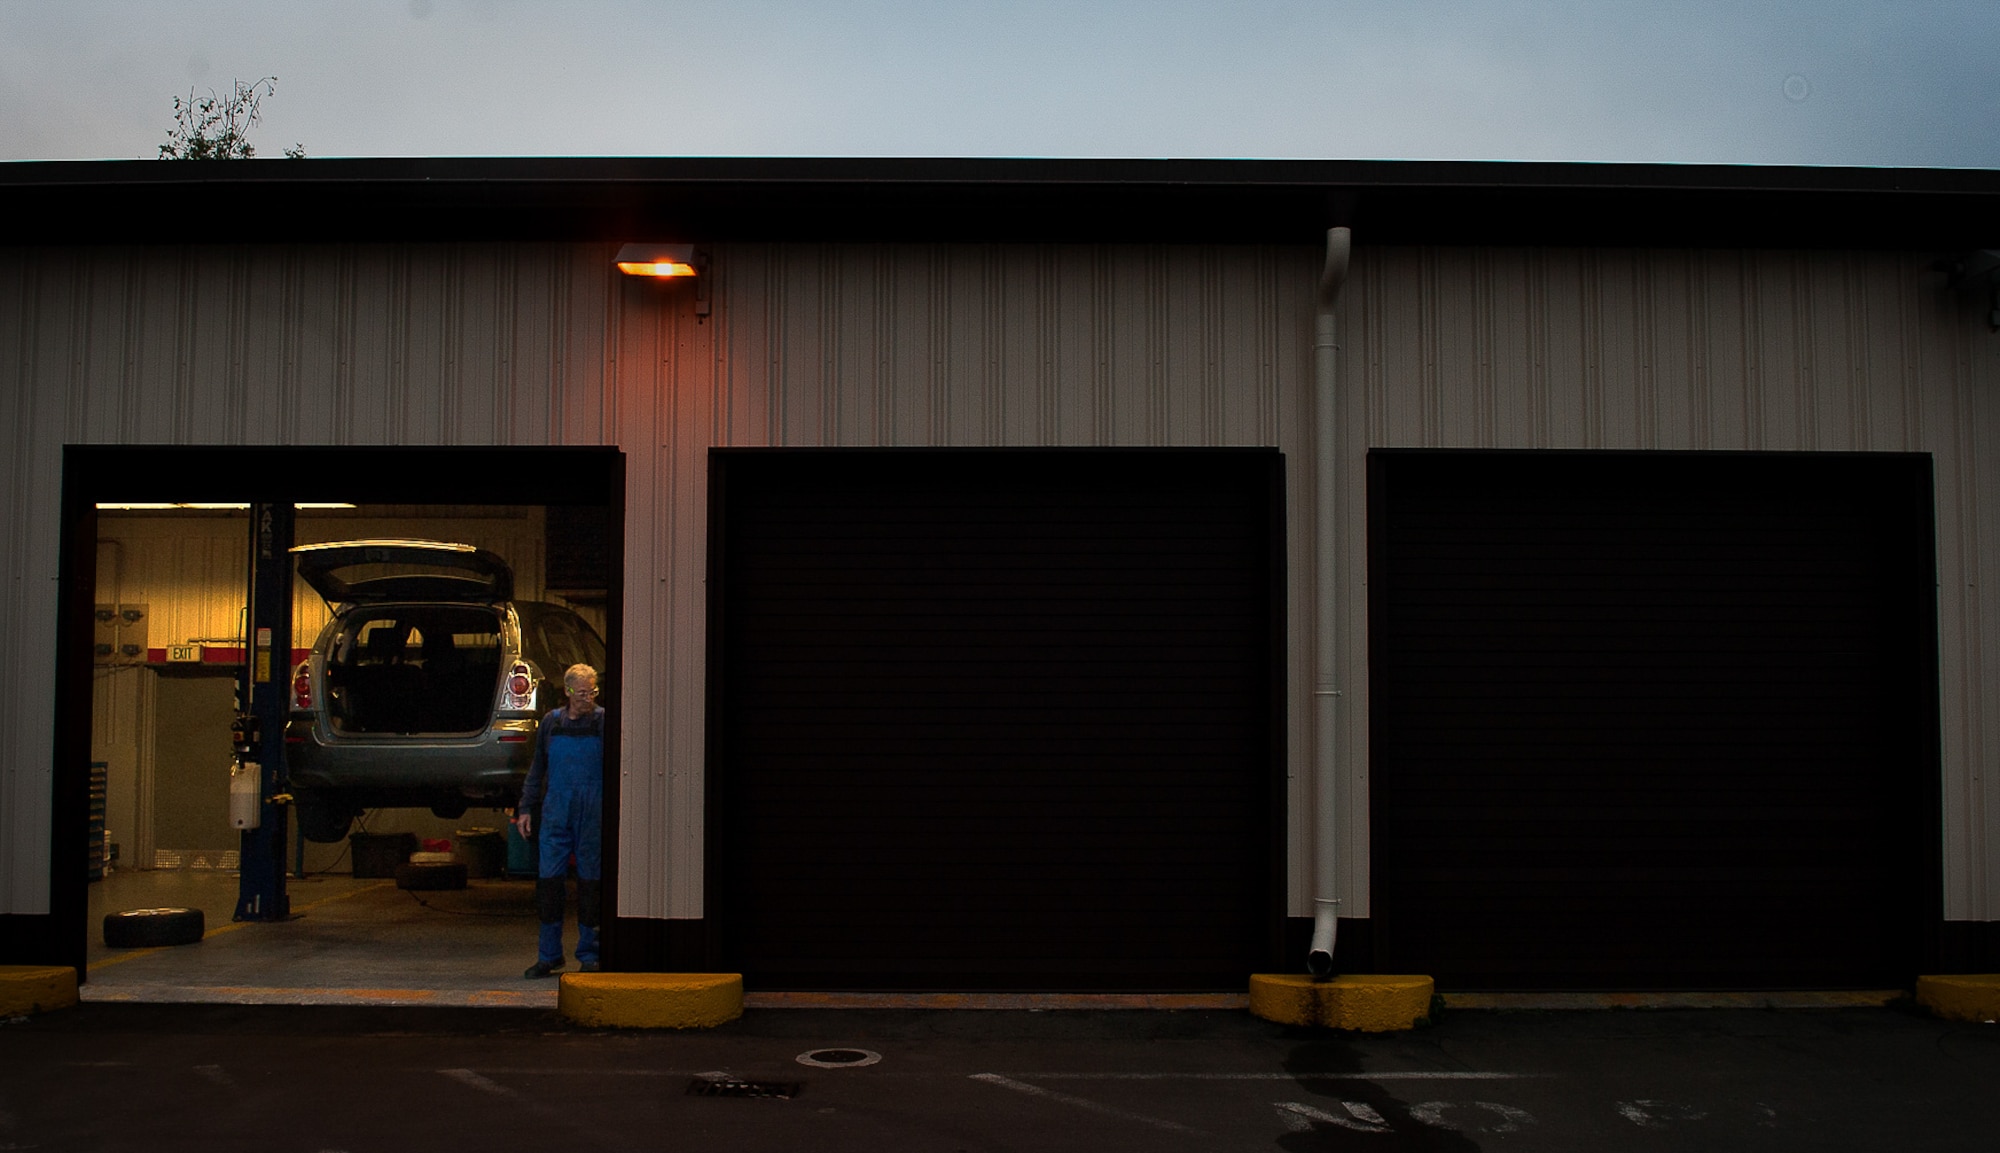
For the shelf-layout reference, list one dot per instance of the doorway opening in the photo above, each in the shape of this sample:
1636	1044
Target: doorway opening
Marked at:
144	739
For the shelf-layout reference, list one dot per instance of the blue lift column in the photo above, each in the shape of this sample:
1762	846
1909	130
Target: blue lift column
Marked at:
260	892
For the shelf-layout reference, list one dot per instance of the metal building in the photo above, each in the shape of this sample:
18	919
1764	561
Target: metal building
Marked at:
1064	574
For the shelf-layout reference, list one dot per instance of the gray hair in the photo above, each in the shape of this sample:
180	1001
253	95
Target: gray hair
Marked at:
577	674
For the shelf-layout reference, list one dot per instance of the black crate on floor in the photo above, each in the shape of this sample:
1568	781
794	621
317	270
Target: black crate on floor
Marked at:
483	851
378	854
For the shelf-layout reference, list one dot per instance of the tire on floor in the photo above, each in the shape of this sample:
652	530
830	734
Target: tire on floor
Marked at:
150	928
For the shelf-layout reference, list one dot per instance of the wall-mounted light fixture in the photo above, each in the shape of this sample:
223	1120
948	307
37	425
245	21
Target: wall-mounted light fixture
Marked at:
657	260
668	262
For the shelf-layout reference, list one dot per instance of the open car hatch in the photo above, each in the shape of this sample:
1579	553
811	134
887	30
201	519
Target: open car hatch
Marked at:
372	571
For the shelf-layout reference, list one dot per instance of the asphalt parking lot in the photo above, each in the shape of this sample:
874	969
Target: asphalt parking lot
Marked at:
317	1078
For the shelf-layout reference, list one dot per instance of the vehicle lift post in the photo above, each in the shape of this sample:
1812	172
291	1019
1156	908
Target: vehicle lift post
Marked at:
267	678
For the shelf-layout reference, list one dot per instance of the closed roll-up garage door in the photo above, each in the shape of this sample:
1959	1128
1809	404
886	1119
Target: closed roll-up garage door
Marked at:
997	719
1661	720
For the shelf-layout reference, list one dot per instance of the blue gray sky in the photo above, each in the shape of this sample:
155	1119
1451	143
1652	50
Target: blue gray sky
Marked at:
1883	82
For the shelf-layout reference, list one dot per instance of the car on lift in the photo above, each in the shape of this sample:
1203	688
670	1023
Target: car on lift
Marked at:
425	686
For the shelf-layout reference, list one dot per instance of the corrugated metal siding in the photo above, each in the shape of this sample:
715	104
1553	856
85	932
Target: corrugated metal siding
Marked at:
531	344
972	345
32	403
1770	351
911	345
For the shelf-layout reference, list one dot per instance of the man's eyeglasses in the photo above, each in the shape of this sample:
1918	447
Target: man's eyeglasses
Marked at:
588	691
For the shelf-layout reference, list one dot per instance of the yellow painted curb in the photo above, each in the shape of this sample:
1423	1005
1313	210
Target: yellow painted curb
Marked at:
1366	1003
1961	996
651	1000
26	989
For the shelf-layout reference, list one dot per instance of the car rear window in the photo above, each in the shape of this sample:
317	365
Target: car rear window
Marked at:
409	636
406	669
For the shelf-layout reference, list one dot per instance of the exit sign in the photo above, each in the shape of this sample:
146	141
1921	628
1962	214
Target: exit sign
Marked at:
184	653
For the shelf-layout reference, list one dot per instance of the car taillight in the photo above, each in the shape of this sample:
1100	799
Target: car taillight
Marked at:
302	689
518	693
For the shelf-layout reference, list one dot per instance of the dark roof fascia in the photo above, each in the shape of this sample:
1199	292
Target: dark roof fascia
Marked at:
914	200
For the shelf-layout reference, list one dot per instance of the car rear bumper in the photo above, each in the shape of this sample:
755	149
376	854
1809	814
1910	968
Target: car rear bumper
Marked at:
484	766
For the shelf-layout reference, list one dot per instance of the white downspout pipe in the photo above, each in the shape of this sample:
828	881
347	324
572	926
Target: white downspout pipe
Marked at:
1326	684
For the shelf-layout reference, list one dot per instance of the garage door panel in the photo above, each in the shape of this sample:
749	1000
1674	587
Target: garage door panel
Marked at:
982	707
1651	720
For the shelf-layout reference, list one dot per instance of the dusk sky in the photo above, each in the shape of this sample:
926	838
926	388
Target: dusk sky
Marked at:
1910	82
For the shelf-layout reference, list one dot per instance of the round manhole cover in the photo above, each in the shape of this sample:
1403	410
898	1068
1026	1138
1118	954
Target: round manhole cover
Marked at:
839	1058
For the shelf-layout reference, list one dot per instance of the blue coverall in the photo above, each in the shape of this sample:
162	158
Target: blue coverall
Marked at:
565	793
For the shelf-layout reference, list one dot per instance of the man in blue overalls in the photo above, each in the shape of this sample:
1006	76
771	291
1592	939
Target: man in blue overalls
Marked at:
562	805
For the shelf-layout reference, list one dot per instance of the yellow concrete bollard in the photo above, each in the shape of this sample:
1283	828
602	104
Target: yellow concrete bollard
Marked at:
651	1000
1366	1003
1961	996
26	989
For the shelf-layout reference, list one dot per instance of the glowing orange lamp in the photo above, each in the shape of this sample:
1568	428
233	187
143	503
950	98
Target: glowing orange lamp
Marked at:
658	260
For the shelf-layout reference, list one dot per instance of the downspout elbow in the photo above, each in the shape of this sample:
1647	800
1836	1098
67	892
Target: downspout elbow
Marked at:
1326	925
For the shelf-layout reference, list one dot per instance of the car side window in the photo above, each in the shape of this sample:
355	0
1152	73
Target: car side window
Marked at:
587	640
558	643
573	641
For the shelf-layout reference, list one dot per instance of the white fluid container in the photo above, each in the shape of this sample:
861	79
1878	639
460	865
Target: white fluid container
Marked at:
246	800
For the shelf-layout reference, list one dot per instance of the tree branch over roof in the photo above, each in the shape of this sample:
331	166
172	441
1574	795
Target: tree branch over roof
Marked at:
215	127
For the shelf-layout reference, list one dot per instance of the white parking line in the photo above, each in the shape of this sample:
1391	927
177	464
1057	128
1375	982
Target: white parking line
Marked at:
1658	1114
1511	1119
534	1071
468	1077
1405	1075
1080	1103
1361	1117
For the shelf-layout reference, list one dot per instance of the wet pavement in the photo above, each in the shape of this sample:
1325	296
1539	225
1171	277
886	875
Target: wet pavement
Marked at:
317	1078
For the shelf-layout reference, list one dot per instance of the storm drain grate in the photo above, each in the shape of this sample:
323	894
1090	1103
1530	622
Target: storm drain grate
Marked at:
738	1087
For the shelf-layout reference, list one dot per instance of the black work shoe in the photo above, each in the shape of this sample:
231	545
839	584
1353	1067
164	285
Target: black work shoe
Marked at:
543	969
588	966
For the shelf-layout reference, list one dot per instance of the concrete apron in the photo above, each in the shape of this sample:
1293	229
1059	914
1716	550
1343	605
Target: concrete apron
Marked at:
351	941
365	942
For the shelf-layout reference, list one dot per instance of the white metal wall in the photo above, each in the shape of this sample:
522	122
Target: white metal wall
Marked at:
935	346
972	345
542	344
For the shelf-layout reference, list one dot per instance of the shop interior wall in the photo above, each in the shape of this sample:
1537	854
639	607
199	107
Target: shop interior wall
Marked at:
187	569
